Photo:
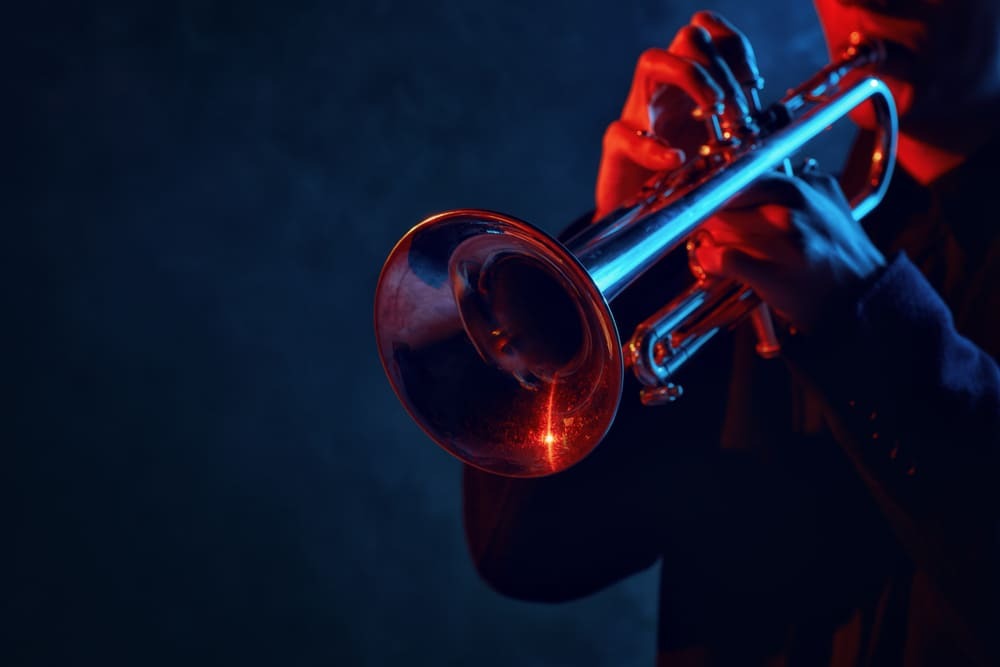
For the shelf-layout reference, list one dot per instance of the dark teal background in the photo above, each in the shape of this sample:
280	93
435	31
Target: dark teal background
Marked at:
206	462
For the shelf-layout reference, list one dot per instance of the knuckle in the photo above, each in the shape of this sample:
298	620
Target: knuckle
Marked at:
717	26
695	35
610	139
620	138
704	17
649	59
612	135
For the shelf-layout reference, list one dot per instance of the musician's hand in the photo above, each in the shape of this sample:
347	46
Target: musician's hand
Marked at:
795	242
704	68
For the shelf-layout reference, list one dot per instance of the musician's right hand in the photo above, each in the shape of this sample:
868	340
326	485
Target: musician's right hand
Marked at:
705	67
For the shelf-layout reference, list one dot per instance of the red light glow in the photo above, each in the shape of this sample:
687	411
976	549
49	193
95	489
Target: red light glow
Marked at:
549	439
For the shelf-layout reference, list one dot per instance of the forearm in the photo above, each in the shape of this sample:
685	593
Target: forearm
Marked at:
553	539
609	516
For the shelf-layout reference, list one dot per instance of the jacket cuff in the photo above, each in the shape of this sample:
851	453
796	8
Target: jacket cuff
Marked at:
857	356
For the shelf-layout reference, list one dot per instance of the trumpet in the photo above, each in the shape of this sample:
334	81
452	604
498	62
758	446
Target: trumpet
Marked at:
498	338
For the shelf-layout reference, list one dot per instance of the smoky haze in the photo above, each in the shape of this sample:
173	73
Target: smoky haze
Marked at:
208	464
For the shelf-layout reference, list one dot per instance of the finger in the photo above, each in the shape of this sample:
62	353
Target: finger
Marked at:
729	262
657	68
756	233
733	46
824	183
629	158
624	142
695	43
775	189
744	228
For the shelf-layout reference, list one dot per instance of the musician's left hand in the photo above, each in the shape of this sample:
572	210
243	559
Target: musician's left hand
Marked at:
795	242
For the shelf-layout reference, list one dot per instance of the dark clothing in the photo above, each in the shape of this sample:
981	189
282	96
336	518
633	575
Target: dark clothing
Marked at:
839	507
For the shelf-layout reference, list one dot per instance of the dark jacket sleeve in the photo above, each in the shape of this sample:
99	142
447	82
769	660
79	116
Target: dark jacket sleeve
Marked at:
916	405
556	539
562	537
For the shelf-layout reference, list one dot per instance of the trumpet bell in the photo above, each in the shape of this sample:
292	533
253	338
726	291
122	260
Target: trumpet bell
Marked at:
498	343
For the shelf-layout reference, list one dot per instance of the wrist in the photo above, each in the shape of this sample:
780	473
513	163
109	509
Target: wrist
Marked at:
841	296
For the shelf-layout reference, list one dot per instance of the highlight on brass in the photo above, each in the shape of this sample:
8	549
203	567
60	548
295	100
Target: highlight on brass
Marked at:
498	339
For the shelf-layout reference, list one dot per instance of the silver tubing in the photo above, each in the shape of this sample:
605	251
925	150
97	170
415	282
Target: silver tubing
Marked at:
622	246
